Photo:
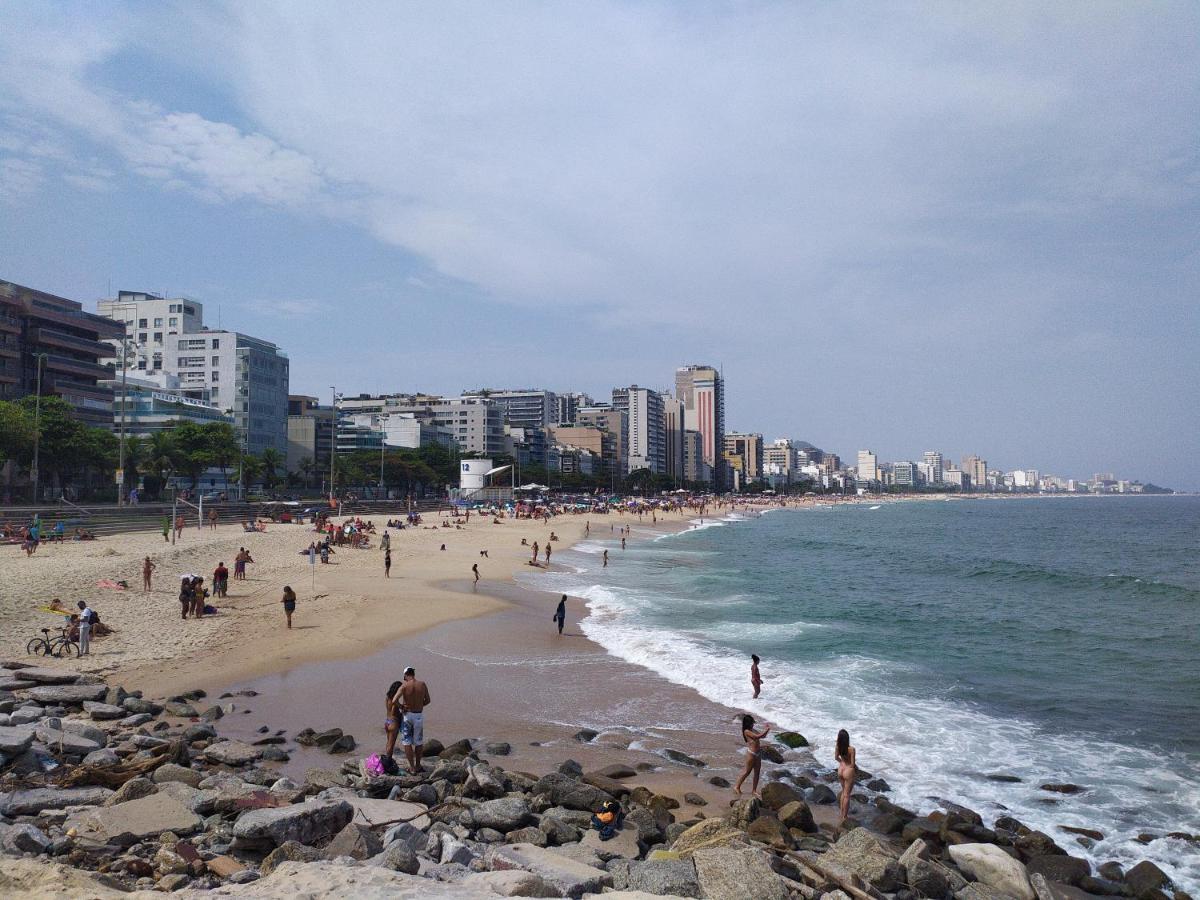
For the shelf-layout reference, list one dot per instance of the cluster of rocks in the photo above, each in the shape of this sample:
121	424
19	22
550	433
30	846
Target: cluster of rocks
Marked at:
148	796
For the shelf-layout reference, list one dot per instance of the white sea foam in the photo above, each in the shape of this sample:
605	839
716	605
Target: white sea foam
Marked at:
926	747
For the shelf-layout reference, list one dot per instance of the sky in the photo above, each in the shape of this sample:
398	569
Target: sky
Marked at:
965	227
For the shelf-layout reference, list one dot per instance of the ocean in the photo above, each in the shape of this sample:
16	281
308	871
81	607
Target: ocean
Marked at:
1051	640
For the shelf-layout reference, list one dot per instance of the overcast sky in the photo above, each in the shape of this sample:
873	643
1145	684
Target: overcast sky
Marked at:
970	227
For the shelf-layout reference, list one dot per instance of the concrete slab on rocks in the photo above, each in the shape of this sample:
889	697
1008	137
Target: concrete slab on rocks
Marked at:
386	812
141	818
623	843
40	675
568	877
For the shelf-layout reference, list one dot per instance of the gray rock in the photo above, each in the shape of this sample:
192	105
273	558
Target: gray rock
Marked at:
34	800
356	841
797	815
674	877
68	694
565	876
1145	878
308	823
232	753
569	792
103	712
399	857
138	705
26	715
822	795
927	878
180	709
503	814
683	758
862	853
991	866
455	851
14	741
23	839
343	744
46	676
102	758
136	820
484	782
498	748
527	835
1059	869
289	851
136	720
212	714
557	831
66	742
414	837
510	883
83	729
133	789
172	772
729	873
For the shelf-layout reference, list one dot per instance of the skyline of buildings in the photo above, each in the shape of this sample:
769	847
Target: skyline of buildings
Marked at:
176	367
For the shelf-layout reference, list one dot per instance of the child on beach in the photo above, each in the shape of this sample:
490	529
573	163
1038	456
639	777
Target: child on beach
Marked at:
753	753
847	768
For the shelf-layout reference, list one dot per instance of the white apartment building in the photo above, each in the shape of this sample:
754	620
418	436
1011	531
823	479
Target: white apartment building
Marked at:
868	466
933	459
237	373
645	436
476	424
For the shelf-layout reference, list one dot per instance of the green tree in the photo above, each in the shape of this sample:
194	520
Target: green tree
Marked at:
162	457
223	446
271	461
16	431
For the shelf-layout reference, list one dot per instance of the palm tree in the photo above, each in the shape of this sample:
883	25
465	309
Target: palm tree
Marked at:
162	455
271	461
306	468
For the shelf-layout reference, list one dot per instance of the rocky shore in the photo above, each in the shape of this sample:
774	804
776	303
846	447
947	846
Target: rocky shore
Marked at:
105	793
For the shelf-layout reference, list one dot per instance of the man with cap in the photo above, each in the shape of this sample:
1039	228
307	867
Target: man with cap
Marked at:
414	697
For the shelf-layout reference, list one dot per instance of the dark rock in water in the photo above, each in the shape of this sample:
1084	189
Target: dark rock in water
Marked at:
1086	832
1100	887
585	735
884	805
821	794
617	771
433	747
274	754
694	799
325	738
1060	869
1144	879
1113	871
922	828
497	748
306	737
1037	843
458	748
770	754
1146	837
878	785
195	694
263	729
682	758
268	741
1003	778
343	744
718	781
570	767
644	767
792	739
1008	823
1063	788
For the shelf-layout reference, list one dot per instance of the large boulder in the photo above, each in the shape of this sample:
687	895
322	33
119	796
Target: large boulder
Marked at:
135	820
862	853
66	742
232	753
562	790
504	814
169	772
566	876
32	801
731	873
68	694
15	741
356	841
991	866
398	856
133	789
307	823
46	676
1060	869
510	883
709	833
797	815
23	839
1145	879
671	877
103	712
777	794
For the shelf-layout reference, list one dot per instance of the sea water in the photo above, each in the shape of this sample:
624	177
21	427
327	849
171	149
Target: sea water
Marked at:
1052	640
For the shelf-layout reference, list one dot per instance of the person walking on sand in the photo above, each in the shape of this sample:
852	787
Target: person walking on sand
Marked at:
212	519
605	566
548	555
560	614
622	543
755	678
166	529
475	572
178	527
385	542
414	697
753	753
387	563
289	604
147	570
847	768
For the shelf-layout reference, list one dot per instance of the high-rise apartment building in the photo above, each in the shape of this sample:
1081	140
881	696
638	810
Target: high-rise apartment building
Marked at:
616	423
702	391
933	459
236	372
475	424
310	433
905	474
977	470
695	469
673	430
569	405
868	467
68	342
525	408
748	448
645	439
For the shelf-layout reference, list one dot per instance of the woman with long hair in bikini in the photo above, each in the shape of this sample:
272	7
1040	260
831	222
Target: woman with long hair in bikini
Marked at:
846	770
753	753
391	724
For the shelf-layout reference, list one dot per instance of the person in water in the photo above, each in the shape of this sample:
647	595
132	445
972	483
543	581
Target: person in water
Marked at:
755	678
560	614
391	724
847	768
753	753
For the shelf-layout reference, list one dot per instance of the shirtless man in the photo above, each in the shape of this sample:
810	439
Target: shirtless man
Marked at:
148	568
414	697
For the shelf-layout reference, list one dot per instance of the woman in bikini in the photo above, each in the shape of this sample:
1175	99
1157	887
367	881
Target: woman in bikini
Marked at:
391	725
846	770
753	753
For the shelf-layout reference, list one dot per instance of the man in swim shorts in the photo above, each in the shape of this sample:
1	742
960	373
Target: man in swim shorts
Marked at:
414	697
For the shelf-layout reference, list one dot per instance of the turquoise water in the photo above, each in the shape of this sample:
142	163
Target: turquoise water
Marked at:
1048	639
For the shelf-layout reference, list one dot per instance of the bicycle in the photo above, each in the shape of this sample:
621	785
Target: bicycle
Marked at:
53	646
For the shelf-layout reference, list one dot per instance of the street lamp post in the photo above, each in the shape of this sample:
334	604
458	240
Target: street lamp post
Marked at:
121	463
37	425
333	441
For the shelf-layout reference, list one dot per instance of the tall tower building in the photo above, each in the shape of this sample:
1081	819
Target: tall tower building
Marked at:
933	459
868	466
976	470
673	430
645	439
701	389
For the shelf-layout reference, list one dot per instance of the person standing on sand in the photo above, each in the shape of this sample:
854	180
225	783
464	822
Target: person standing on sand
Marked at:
755	678
289	604
387	563
147	570
85	629
220	580
605	560
847	768
414	697
622	543
560	614
391	724
475	572
166	529
178	527
385	542
753	753
535	552
212	519
547	555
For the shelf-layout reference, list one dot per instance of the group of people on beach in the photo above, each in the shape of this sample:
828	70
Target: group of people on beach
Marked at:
844	754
